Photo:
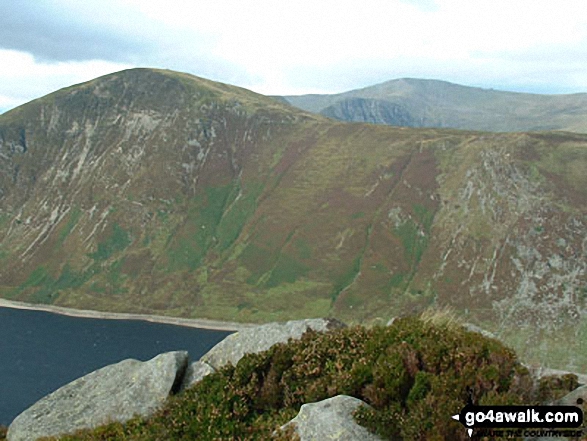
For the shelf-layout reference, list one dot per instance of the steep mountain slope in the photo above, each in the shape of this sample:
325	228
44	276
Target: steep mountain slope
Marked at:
154	191
432	103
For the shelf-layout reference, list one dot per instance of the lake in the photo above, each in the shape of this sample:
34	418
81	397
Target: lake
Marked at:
42	351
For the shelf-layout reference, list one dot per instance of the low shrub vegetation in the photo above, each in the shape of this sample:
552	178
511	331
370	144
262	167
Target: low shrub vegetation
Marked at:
414	374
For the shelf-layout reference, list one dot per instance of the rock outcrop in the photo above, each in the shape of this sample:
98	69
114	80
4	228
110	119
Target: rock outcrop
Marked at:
114	393
120	391
195	372
578	398
540	372
330	419
371	111
261	338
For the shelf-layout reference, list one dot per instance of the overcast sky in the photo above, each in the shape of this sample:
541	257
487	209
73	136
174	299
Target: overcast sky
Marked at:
297	46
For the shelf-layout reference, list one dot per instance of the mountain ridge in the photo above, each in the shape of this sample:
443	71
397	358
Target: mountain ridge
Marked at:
154	192
438	103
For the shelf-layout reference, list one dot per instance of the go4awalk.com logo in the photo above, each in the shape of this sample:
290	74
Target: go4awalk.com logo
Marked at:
519	420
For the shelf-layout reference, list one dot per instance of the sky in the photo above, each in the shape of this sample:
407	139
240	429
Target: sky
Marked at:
294	47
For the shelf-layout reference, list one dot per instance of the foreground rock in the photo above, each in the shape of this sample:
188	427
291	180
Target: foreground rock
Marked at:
540	372
195	373
114	393
578	398
330	419
261	338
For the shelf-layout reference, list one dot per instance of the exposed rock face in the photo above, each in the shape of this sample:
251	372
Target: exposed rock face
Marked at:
474	328
261	338
114	393
330	419
195	372
539	372
370	111
578	398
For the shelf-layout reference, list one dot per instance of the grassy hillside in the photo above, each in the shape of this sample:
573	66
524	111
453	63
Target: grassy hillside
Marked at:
159	192
431	103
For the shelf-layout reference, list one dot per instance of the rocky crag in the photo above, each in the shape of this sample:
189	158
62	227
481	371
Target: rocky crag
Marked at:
157	192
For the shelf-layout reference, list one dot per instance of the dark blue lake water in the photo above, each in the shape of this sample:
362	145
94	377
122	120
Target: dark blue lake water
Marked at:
41	351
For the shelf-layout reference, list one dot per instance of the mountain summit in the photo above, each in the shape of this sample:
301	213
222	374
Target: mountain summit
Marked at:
431	103
159	192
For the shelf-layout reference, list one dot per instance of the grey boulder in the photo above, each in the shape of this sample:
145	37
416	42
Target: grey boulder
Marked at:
330	419
578	398
261	338
114	393
195	373
540	372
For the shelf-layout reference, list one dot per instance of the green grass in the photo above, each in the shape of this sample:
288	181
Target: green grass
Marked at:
44	288
410	234
235	218
287	270
194	238
412	242
424	216
117	241
346	279
257	260
115	278
72	221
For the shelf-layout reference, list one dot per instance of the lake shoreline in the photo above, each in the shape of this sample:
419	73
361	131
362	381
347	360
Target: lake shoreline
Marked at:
216	325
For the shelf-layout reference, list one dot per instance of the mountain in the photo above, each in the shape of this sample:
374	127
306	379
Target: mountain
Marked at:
431	103
159	192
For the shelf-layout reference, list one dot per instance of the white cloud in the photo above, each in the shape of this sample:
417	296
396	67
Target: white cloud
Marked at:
272	40
308	46
23	79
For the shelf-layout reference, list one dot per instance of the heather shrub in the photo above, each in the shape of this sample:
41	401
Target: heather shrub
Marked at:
415	374
553	387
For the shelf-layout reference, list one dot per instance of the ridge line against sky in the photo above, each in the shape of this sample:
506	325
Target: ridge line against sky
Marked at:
290	48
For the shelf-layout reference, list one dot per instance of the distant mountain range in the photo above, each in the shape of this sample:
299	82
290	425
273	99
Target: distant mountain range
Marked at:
431	103
159	192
